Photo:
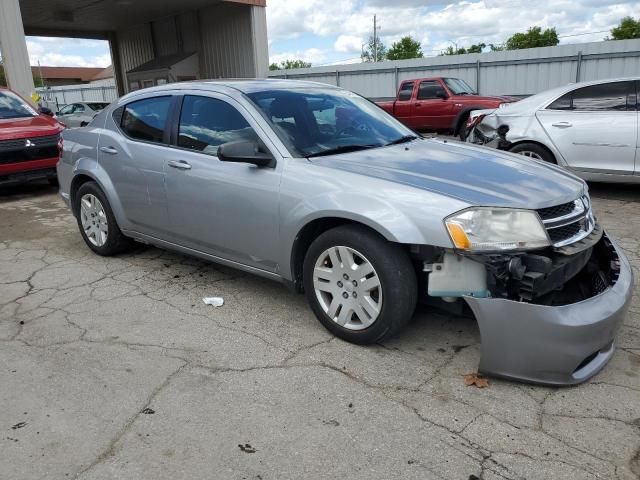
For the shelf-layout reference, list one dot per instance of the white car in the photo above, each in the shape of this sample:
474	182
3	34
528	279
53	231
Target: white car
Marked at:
80	114
590	128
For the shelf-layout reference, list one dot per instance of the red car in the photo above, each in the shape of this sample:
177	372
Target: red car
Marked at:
29	141
438	103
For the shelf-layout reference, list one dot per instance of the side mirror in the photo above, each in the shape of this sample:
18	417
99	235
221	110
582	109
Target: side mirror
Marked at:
45	111
443	95
245	151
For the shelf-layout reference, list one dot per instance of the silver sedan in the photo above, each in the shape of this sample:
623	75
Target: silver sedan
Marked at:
80	114
589	128
319	188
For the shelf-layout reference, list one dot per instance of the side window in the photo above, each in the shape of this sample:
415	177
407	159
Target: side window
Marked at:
405	91
616	96
78	108
146	119
66	110
606	96
430	90
206	123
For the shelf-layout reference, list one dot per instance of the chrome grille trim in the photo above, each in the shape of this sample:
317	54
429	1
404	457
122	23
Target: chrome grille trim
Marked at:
581	217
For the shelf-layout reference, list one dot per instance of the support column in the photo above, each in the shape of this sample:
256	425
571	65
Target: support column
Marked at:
13	45
259	41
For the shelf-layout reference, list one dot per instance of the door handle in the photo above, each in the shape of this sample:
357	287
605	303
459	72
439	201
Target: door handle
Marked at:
418	105
562	124
109	150
179	164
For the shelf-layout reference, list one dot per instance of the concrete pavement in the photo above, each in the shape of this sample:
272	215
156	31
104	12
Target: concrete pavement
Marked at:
114	368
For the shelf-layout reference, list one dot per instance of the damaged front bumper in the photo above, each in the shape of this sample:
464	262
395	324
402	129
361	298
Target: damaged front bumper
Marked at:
557	344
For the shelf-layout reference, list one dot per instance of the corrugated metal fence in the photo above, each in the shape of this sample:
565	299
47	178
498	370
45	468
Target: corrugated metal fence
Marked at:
59	96
514	72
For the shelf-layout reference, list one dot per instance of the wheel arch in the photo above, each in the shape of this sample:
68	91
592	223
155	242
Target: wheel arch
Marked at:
96	174
309	232
539	144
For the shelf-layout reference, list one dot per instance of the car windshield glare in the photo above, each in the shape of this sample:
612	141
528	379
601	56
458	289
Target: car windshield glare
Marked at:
311	121
458	86
12	106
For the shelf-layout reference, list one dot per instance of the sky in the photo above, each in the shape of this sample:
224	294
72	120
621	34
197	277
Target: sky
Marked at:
326	32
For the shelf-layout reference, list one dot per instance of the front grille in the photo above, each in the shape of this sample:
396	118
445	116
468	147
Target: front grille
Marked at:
16	151
562	233
569	222
557	211
20	143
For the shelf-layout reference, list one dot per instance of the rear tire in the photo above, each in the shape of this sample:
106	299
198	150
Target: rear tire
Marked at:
96	221
462	127
533	150
361	287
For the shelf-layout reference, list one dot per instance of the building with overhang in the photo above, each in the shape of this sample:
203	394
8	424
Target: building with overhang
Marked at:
151	41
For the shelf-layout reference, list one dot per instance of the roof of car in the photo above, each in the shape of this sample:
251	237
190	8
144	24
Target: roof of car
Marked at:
244	85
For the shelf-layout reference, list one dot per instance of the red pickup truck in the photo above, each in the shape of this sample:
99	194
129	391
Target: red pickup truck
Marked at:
438	103
29	141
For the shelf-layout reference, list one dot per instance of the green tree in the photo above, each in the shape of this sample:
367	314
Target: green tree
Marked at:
534	37
289	64
404	49
476	48
626	29
368	54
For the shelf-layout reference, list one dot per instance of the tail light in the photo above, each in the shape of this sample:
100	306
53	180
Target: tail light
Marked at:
60	146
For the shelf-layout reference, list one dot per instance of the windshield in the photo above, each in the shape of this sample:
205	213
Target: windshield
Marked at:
12	106
311	121
97	105
458	86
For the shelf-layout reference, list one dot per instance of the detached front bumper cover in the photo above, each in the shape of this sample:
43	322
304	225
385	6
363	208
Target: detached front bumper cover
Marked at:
554	345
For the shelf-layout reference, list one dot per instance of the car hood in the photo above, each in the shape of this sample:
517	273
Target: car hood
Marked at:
475	175
39	126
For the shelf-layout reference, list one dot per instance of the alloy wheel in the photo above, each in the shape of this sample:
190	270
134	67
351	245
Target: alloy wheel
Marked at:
94	220
530	154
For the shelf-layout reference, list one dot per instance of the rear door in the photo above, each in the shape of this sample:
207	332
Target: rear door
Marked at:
595	128
133	150
430	109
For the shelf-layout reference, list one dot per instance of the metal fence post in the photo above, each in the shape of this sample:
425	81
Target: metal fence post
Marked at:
396	73
337	78
478	76
578	66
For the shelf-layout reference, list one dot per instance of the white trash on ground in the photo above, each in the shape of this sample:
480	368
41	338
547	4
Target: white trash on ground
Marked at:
215	301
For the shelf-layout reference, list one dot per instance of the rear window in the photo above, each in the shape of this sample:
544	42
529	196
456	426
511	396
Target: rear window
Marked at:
12	106
146	119
405	91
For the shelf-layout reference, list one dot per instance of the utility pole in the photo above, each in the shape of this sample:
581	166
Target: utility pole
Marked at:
375	40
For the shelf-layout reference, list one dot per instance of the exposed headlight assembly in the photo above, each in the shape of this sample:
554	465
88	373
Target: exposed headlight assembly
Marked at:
487	229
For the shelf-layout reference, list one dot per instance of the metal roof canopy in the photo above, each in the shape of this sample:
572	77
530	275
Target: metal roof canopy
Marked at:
94	18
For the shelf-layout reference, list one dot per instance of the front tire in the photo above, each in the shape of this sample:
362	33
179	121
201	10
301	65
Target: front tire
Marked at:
96	221
361	287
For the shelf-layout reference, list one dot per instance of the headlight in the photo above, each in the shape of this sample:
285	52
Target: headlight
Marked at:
495	229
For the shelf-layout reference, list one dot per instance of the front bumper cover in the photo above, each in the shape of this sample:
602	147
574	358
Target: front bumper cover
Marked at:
554	345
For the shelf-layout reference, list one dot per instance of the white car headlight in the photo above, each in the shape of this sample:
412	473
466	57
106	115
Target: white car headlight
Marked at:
496	229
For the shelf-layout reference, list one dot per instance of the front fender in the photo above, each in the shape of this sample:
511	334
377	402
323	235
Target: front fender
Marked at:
377	214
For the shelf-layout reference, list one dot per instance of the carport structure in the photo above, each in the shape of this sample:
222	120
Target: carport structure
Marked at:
226	38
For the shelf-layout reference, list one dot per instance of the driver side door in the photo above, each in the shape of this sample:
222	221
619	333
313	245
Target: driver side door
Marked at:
229	210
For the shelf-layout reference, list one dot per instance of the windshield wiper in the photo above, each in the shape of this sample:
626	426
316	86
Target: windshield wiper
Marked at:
403	139
341	149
